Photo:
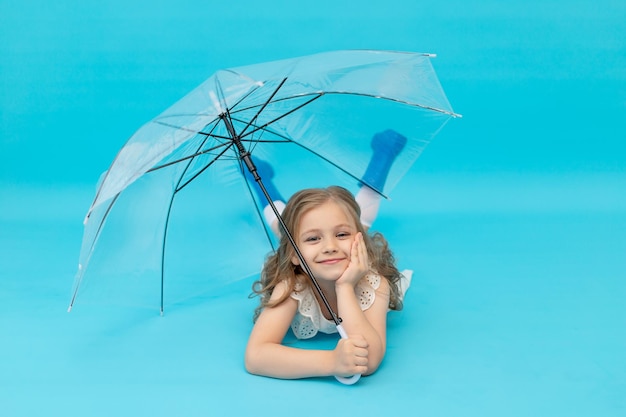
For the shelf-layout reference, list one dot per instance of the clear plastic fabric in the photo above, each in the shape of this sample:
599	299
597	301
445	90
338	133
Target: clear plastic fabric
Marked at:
180	175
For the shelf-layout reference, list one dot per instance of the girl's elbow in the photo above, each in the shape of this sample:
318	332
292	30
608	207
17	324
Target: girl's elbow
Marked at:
251	368
251	362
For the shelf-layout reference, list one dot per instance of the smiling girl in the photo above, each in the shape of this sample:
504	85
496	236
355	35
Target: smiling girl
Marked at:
357	274
355	270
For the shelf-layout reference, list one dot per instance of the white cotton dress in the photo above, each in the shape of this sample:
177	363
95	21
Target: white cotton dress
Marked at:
309	319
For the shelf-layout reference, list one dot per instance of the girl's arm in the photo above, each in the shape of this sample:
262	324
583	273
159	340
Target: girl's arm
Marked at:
265	355
371	324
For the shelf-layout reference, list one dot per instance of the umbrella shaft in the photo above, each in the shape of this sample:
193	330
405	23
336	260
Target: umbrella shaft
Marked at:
245	157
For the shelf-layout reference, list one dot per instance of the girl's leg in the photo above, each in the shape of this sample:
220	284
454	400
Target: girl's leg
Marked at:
266	173
386	146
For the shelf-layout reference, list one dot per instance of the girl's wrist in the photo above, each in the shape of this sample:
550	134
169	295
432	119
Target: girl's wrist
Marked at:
327	363
344	286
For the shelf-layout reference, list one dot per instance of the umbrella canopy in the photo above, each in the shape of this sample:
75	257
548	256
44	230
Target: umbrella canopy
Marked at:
310	117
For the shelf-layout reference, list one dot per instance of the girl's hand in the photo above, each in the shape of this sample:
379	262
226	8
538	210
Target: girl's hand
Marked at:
351	356
359	263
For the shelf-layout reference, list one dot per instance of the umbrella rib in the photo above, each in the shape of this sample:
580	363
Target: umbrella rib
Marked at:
435	109
245	96
319	95
180	187
322	157
228	111
197	153
265	125
188	157
212	135
359	180
169	210
287	139
159	122
268	101
91	249
347	93
316	95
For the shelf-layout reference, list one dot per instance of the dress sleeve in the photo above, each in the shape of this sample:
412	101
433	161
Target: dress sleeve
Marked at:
307	322
366	288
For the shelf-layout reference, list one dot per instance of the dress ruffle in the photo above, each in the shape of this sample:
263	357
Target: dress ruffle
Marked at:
309	319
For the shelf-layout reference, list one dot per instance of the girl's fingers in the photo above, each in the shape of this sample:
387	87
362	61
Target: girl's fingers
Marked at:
357	245
362	250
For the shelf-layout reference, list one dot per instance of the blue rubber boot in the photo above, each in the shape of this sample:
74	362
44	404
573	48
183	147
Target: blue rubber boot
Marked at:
386	145
266	173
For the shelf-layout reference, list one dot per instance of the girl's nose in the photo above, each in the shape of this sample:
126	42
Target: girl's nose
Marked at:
330	246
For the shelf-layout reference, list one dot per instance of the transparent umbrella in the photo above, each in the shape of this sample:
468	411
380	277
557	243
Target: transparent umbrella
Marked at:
311	117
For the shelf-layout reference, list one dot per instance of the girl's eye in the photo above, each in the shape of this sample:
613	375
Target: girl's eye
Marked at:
343	235
311	239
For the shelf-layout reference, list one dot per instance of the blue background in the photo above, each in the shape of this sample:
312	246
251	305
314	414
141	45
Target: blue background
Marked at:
513	219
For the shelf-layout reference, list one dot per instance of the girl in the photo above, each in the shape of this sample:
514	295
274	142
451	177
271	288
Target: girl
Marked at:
356	272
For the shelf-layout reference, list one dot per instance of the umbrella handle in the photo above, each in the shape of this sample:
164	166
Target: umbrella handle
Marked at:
351	379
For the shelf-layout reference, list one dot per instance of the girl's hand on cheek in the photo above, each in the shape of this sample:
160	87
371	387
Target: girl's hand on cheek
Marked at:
359	263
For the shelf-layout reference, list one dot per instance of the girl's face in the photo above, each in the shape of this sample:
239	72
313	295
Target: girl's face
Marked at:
324	236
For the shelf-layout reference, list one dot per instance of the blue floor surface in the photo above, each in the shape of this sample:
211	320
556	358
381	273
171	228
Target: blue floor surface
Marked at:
512	312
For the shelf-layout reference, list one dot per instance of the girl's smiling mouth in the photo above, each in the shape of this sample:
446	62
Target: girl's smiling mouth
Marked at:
331	261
